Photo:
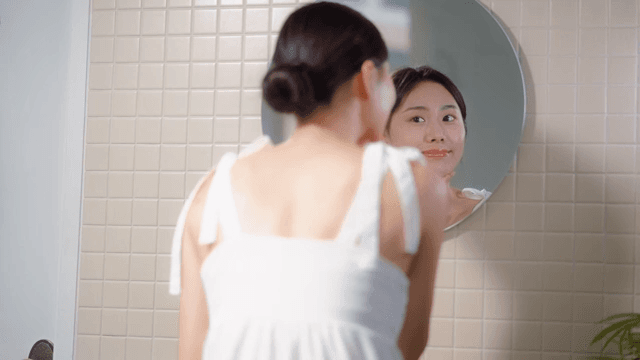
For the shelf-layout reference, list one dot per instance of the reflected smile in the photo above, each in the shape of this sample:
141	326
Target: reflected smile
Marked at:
436	153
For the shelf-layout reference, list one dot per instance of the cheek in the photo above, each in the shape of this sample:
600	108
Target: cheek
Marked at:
403	135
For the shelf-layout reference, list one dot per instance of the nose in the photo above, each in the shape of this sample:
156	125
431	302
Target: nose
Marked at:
434	133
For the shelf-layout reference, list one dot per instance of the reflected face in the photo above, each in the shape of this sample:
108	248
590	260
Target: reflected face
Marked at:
429	119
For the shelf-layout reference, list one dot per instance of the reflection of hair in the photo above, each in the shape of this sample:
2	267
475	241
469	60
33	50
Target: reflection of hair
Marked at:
320	47
406	79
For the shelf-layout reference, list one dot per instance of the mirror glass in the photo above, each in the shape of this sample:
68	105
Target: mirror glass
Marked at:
461	39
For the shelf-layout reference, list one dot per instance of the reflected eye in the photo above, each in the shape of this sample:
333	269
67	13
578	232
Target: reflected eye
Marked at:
449	118
416	119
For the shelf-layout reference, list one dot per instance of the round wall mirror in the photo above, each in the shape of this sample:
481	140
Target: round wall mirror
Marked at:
461	39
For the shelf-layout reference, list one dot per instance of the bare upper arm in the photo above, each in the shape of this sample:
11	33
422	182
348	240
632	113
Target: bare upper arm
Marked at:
422	272
194	319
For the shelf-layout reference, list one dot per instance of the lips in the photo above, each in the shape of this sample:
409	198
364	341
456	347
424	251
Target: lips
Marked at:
436	153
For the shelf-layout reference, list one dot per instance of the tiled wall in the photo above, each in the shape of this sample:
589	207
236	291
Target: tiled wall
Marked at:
175	83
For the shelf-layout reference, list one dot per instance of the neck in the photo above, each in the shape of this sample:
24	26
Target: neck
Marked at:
339	122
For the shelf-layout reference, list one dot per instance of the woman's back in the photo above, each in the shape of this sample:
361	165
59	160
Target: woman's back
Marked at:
282	253
305	190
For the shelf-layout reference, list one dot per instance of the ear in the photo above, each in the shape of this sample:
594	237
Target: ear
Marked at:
366	80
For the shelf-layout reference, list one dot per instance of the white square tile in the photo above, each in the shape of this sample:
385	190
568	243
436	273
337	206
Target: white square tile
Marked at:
153	22
559	158
230	48
557	306
154	3
591	99
229	75
199	157
125	76
443	303
204	48
564	13
468	304
123	103
128	4
527	305
591	128
528	217
103	4
231	20
205	21
563	42
620	159
178	21
622	41
252	102
558	276
562	99
618	279
590	188
560	128
497	335
534	41
593	13
128	22
201	102
591	70
469	275
101	49
589	248
257	20
619	249
556	337
100	76
623	13
151	49
468	334
535	13
200	131
175	103
178	48
151	76
149	103
622	70
226	130
255	47
176	76
253	74
250	128
172	158
620	219
227	102
589	218
203	75
498	305
593	41
103	22
621	100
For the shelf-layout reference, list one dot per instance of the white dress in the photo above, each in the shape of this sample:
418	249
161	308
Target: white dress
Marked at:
473	194
273	297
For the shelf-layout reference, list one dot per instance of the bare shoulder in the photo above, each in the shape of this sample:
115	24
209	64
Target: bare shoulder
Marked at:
194	218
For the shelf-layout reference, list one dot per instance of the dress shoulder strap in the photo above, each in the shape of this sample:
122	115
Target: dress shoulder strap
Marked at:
399	160
362	222
210	214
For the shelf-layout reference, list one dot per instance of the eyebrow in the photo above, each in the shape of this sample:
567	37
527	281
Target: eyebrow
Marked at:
444	107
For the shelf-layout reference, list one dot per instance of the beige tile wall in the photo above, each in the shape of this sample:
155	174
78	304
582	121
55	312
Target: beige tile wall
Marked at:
176	83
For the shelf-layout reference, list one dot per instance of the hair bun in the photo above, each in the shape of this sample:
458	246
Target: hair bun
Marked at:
288	89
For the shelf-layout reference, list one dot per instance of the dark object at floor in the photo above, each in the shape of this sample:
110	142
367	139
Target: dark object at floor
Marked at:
42	350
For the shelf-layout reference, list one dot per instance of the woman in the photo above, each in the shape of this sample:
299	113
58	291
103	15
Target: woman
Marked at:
310	258
429	114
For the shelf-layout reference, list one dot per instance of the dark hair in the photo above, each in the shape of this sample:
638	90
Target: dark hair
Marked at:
407	78
320	47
